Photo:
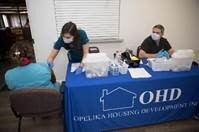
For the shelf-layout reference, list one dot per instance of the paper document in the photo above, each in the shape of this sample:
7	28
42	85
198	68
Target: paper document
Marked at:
139	73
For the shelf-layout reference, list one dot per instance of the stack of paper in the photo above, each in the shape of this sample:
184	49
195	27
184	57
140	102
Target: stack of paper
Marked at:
139	73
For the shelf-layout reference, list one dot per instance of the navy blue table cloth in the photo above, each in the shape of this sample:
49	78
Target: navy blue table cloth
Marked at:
114	102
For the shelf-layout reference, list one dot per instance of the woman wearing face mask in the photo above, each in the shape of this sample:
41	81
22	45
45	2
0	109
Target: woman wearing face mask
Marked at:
72	39
155	45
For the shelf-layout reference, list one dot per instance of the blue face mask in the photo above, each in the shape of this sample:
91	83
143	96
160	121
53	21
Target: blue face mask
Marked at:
67	41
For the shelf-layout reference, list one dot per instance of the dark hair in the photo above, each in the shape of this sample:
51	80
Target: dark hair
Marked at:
22	53
159	26
70	28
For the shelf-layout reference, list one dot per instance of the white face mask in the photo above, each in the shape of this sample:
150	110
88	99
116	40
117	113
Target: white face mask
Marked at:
155	36
67	41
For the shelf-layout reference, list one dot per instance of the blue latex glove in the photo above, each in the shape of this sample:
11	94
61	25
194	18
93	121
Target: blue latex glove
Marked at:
165	54
160	54
50	64
79	70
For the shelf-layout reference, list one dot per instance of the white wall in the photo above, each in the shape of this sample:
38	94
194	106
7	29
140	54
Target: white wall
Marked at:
180	18
43	29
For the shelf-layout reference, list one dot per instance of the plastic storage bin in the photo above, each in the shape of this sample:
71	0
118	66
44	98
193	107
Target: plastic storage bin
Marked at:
182	60
96	65
159	64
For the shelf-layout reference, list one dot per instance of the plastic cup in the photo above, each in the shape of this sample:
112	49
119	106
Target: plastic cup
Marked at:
123	69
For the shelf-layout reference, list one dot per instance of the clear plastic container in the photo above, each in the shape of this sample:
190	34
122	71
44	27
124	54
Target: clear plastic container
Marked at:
183	53
114	69
182	60
96	65
181	64
159	64
123	69
97	70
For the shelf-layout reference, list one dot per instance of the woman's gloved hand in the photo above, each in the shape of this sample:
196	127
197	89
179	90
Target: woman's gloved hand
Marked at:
50	64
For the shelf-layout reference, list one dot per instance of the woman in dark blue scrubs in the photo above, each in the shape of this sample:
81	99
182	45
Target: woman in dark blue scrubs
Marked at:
72	39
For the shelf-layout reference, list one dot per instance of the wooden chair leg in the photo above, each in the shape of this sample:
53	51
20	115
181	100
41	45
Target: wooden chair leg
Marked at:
19	124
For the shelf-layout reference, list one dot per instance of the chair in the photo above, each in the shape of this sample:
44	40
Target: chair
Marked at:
35	102
94	50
